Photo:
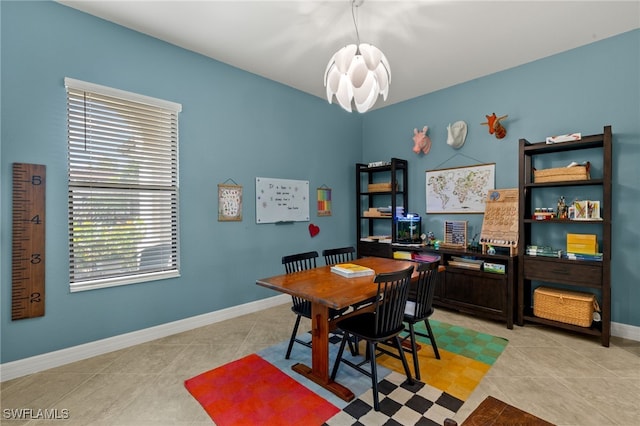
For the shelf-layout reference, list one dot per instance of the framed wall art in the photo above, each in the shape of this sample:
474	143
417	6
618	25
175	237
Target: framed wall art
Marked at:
229	202
460	189
324	201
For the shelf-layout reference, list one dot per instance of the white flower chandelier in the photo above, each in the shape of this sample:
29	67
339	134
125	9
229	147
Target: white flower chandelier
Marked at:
357	74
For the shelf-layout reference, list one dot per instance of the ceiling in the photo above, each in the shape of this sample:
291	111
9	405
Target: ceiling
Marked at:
430	44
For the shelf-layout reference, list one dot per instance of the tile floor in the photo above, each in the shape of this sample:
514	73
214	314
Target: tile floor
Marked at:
565	378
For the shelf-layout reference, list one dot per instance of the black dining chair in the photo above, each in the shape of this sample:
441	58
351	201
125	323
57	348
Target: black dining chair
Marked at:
301	307
383	323
342	255
338	255
419	308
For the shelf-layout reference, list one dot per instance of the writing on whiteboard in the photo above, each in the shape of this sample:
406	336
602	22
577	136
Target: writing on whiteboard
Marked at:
285	194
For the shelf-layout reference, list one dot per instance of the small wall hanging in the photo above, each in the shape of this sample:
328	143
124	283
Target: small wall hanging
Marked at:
324	201
229	202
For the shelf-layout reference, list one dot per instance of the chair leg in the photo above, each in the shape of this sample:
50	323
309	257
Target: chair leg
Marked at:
414	351
334	372
432	338
293	337
353	346
371	348
405	364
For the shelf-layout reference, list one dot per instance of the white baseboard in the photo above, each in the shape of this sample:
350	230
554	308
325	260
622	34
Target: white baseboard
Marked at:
34	364
625	331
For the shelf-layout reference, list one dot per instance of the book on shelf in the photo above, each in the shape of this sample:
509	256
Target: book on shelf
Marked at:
404	255
544	251
377	238
351	270
597	257
465	265
467	259
427	258
408	245
495	268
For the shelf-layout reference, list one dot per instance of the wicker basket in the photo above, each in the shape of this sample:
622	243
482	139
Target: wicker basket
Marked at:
570	307
562	174
380	187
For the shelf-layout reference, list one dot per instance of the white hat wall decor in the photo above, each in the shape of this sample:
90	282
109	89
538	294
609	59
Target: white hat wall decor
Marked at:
421	142
457	133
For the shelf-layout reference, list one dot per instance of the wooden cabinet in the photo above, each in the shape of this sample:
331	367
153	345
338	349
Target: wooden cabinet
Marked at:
485	294
371	194
476	292
585	276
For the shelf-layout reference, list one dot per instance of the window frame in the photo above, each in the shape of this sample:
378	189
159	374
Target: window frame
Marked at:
155	196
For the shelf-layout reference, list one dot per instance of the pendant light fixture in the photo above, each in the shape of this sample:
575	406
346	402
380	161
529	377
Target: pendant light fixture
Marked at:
357	74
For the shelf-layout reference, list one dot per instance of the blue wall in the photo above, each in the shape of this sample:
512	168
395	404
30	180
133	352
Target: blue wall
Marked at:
581	90
234	125
237	125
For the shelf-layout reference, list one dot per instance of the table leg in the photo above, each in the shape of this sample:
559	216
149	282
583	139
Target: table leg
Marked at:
319	371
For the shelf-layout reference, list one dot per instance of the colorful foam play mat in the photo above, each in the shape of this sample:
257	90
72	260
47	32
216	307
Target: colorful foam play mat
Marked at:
262	389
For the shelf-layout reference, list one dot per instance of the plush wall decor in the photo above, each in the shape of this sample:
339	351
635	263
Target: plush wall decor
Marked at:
421	142
495	128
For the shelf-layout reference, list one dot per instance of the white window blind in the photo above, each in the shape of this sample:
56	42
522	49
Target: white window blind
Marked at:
123	187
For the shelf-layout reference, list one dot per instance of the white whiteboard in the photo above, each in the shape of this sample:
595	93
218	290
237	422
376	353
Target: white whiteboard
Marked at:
281	200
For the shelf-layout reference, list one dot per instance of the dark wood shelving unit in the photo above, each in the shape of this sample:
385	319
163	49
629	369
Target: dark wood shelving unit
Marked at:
590	276
395	173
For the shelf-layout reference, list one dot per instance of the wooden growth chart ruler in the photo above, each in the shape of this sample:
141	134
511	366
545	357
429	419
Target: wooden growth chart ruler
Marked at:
27	258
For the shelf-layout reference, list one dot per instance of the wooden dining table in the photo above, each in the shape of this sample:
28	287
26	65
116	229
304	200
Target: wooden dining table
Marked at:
325	290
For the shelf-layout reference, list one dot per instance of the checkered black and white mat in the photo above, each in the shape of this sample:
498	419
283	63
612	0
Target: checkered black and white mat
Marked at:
400	404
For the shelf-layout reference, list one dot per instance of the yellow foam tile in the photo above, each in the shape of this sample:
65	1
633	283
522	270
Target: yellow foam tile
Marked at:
455	374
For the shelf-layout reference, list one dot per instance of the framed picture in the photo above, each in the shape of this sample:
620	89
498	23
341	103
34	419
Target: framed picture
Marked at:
585	210
460	189
324	201
229	202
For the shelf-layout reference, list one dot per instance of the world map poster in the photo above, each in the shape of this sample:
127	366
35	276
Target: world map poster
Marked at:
460	189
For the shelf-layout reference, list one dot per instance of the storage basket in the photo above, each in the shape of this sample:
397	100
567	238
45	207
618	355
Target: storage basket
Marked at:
570	307
380	187
562	174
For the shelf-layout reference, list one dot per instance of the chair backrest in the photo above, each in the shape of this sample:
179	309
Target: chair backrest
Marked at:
428	276
300	261
393	290
338	255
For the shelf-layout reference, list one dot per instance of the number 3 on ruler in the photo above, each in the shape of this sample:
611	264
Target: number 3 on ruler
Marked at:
28	257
